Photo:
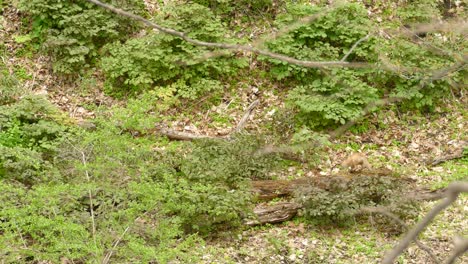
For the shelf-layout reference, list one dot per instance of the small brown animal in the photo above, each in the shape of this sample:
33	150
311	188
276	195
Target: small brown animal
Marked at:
356	162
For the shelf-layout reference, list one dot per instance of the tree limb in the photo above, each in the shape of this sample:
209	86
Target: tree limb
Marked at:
248	48
453	191
245	117
461	246
177	135
395	218
354	46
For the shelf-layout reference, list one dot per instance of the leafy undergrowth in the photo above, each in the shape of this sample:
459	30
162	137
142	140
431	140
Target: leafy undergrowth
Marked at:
114	190
301	241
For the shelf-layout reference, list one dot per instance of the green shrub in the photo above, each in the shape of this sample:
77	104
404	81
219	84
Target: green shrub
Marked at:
53	223
74	31
10	88
202	186
30	135
159	60
418	11
332	98
211	188
339	198
414	83
244	9
327	97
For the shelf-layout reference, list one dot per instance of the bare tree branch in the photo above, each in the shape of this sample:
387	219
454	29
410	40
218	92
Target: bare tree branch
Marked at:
90	194
176	135
453	191
246	116
116	243
433	76
354	46
248	48
461	246
450	26
395	218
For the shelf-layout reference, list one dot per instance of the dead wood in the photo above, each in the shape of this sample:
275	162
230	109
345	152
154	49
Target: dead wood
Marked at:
270	189
276	213
266	190
458	154
178	135
246	116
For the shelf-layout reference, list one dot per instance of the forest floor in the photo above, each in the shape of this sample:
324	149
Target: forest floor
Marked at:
403	142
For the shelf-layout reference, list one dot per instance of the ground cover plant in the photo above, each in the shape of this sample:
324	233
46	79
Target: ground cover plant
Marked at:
93	105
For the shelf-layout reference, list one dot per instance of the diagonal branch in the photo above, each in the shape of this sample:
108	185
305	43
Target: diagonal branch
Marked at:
453	191
246	116
460	247
395	218
354	47
248	48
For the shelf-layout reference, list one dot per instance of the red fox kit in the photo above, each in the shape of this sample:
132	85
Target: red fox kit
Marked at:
356	162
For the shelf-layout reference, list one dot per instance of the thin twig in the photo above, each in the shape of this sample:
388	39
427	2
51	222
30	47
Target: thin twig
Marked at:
248	48
453	191
450	26
90	195
116	243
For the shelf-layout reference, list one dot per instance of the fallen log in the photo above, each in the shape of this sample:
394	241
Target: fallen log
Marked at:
269	189
177	135
276	213
266	190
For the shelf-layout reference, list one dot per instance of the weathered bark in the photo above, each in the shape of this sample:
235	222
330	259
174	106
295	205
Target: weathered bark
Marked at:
270	189
275	213
456	155
177	135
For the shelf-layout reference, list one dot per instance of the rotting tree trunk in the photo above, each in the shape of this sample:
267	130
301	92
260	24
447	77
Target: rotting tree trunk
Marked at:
267	190
276	213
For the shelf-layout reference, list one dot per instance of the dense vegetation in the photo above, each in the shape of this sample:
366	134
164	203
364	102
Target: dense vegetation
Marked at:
114	191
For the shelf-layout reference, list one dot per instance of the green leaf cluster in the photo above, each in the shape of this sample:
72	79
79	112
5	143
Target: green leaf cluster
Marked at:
404	66
74	31
339	198
70	194
31	131
159	61
243	9
325	97
214	182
